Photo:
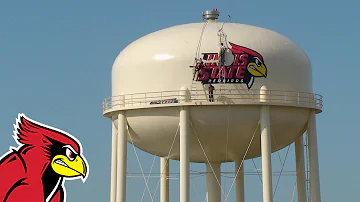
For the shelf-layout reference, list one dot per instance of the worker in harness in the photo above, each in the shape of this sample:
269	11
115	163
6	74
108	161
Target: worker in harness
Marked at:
222	54
198	67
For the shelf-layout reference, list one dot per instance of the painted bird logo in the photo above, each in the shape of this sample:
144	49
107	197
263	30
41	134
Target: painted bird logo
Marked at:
255	66
241	66
37	169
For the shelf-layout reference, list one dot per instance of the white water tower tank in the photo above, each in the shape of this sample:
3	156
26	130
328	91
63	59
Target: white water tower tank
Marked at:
159	62
153	80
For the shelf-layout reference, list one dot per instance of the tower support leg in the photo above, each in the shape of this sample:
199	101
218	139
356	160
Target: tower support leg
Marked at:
266	147
313	159
300	169
212	184
239	182
164	183
184	155
113	160
121	158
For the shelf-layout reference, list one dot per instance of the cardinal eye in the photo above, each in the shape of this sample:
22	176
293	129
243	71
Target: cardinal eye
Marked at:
258	62
71	155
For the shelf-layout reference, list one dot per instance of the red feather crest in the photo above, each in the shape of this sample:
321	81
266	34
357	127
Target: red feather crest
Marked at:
31	133
241	49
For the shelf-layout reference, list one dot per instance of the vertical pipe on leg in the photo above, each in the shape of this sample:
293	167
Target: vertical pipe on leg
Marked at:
239	186
313	159
121	158
300	169
164	183
113	160
184	155
184	146
266	147
212	185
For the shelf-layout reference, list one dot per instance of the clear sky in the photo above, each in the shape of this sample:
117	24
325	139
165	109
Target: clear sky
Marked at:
56	59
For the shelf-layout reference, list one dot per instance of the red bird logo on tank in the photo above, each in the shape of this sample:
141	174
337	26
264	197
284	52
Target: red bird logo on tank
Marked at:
37	169
241	65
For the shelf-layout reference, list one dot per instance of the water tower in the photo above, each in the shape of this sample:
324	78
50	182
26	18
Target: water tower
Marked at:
263	101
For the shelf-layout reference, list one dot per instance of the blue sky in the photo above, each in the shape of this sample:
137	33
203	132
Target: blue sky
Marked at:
56	58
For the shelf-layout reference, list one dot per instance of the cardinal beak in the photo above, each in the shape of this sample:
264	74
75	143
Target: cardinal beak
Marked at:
257	71
67	168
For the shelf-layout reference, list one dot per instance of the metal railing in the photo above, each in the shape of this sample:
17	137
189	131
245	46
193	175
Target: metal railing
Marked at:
225	96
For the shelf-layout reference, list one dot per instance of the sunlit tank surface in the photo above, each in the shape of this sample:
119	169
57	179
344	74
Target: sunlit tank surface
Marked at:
156	66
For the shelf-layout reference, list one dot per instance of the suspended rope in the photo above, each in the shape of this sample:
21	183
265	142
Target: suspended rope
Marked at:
162	171
137	157
207	159
222	26
242	161
221	33
197	54
223	47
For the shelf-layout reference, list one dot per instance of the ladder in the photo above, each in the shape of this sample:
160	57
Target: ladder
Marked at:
193	92
307	168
